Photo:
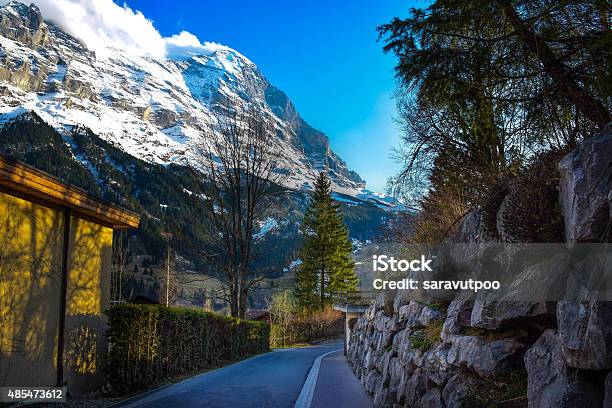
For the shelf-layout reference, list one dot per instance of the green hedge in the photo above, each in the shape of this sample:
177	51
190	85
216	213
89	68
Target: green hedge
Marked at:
149	344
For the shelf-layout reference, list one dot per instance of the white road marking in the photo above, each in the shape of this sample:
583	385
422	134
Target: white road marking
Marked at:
305	398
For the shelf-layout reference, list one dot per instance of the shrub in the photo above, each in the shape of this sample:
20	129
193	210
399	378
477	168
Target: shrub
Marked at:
456	187
306	326
419	341
149	344
506	390
320	324
533	212
282	308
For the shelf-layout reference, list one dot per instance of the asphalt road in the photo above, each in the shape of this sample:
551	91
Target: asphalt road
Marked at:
271	380
337	386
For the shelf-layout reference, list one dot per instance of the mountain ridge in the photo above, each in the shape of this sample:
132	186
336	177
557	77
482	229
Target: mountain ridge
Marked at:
153	109
119	126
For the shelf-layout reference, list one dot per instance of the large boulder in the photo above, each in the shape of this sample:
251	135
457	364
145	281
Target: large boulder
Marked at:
500	222
432	399
505	314
547	374
401	342
543	277
470	228
394	372
485	357
371	381
415	388
383	365
409	314
458	388
435	364
402	297
553	385
430	315
585	189
458	315
384	395
405	376
585	331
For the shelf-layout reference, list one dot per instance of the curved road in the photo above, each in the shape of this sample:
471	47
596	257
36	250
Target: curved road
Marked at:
272	380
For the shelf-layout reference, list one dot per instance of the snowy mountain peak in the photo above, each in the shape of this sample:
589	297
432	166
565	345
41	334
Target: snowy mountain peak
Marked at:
152	108
23	11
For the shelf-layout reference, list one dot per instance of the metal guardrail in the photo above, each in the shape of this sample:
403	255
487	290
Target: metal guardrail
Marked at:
361	298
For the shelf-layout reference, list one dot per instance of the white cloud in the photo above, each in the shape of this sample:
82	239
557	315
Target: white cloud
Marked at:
102	24
186	43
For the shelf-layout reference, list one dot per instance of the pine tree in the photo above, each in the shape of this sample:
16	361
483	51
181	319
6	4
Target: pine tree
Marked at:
327	267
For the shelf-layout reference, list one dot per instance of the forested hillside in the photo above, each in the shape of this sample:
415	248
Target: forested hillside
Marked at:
166	196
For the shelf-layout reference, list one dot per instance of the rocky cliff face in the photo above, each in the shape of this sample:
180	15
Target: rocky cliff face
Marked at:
479	354
154	109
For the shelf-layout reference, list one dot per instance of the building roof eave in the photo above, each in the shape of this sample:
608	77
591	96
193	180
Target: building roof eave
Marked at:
33	182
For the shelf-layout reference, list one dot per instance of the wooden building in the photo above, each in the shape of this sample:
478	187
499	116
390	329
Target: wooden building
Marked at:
55	272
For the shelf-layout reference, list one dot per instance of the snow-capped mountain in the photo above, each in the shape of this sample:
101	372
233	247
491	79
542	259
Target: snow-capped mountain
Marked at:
119	125
153	109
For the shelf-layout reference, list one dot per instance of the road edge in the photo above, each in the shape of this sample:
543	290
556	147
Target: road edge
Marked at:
304	400
141	395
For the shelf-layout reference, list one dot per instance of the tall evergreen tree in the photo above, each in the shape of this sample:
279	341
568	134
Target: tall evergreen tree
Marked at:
327	267
484	84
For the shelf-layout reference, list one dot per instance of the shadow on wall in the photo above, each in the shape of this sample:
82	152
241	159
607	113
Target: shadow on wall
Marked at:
30	249
31	238
88	295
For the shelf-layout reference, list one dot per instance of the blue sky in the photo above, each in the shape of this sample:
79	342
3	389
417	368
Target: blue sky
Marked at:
323	54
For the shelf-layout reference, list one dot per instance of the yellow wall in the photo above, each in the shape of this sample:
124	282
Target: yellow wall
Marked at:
31	238
88	295
30	265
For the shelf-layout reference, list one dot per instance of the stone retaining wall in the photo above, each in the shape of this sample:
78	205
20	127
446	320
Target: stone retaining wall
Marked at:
474	354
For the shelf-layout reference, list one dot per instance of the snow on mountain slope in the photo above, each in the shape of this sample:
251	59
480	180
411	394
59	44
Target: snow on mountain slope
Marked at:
154	109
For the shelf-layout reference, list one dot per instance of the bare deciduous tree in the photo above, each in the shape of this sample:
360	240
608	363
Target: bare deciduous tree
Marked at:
168	289
283	310
119	278
238	170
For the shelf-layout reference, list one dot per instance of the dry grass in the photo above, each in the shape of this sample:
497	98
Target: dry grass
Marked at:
533	212
425	338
